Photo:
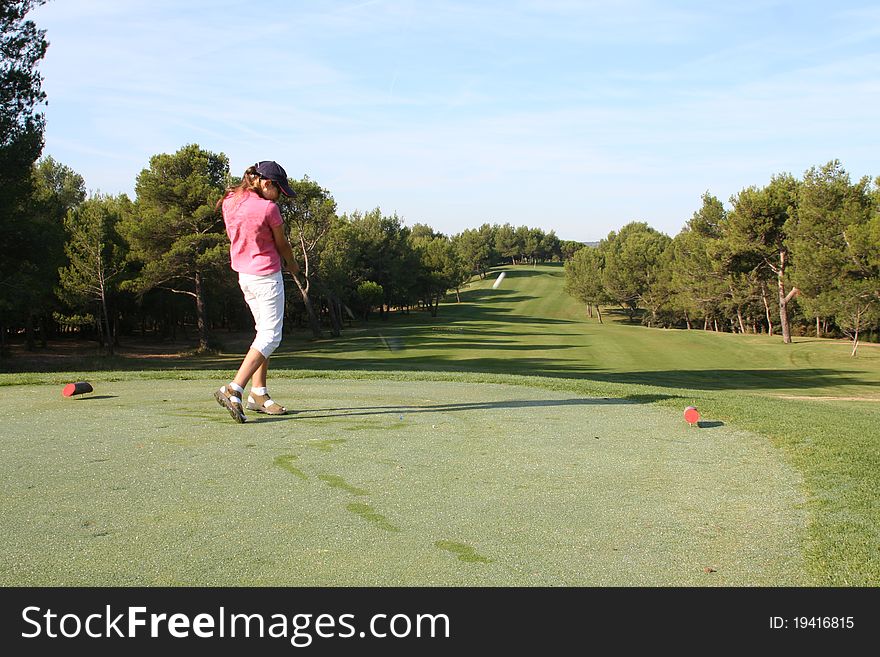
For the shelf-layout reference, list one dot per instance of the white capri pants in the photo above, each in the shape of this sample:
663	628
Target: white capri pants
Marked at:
265	296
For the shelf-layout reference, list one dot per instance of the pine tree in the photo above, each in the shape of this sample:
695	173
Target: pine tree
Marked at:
174	230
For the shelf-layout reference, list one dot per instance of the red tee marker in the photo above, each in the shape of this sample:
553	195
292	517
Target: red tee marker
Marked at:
691	415
77	388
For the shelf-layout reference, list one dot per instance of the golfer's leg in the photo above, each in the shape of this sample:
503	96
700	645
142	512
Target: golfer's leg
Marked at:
254	358
252	362
267	307
259	378
269	326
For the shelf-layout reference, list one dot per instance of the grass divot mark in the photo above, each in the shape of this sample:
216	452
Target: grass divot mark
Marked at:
285	462
369	514
335	481
465	552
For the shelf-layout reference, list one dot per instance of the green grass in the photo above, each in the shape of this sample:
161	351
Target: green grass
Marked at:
381	482
815	408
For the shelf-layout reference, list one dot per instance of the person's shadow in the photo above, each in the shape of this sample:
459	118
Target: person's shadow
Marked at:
465	406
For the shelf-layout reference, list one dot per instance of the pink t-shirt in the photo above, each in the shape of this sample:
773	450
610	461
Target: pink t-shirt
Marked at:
249	219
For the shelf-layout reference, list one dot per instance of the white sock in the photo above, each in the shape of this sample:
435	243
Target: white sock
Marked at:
259	391
236	387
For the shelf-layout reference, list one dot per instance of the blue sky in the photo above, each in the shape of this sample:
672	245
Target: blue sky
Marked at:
577	117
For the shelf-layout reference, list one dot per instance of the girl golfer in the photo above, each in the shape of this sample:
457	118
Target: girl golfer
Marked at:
258	251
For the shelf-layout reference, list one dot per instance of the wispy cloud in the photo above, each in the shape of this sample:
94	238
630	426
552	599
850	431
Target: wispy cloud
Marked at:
586	114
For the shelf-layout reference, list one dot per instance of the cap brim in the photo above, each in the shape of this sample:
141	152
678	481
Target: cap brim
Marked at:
284	186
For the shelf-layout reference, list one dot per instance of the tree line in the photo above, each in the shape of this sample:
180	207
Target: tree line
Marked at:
158	264
108	265
794	255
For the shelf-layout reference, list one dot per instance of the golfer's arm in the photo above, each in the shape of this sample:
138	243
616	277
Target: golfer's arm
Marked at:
284	249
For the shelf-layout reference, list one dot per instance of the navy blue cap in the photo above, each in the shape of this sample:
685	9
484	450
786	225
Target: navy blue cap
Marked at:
273	171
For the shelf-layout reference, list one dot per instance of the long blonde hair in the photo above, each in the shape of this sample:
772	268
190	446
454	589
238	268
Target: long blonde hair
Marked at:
250	182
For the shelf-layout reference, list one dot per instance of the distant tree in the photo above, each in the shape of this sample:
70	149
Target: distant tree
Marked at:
719	281
855	308
382	254
456	273
756	230
22	47
569	247
507	243
423	231
632	257
834	258
658	297
529	242
56	189
696	274
174	230
550	248
369	295
583	279
441	268
308	217
338	257
475	248
404	260
487	233
96	254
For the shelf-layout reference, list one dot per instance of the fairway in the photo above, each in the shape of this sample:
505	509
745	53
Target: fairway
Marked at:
375	482
530	326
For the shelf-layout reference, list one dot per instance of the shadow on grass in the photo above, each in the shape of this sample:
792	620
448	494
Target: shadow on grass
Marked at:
525	271
436	340
729	379
323	355
401	409
481	308
710	379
